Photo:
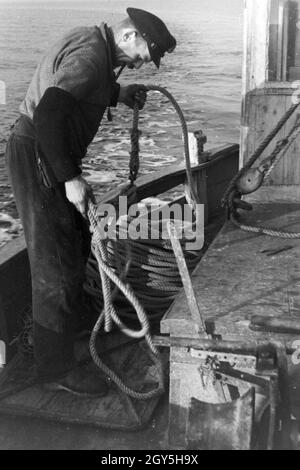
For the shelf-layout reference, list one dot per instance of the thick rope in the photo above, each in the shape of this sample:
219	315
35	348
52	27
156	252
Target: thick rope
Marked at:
263	230
100	253
185	136
115	377
283	144
109	314
107	273
266	167
134	160
280	150
258	152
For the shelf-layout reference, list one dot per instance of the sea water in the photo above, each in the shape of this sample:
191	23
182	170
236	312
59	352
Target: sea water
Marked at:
203	74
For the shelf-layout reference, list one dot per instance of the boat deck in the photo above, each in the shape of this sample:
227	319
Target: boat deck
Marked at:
244	274
18	433
239	277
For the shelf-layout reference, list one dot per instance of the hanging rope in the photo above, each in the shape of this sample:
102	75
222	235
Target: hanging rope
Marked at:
100	249
134	162
270	163
262	173
107	274
134	155
258	152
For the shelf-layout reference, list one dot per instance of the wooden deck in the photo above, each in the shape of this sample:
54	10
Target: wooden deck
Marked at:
239	277
215	171
18	433
21	395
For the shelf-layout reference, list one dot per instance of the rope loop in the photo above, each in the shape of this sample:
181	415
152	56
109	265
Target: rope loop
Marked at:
108	316
135	134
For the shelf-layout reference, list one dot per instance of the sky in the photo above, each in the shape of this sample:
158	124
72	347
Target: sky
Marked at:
196	7
217	2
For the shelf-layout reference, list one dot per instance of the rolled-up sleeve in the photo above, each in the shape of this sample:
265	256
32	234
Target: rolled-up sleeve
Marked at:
77	76
50	122
80	75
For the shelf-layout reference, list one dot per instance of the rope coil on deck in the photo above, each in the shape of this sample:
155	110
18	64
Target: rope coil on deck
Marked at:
109	314
160	264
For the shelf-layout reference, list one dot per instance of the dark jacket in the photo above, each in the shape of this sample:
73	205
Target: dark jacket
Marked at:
68	95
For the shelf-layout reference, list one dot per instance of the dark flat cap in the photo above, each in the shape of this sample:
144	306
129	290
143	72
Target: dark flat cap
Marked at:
154	31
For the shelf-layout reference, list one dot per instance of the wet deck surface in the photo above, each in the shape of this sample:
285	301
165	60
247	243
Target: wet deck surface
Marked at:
245	274
24	433
236	279
105	423
36	433
239	277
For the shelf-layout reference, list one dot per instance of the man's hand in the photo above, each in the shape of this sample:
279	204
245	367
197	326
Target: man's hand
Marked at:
79	192
131	93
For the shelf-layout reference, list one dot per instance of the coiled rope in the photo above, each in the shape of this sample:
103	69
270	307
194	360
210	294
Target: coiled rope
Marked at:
267	166
159	262
109	314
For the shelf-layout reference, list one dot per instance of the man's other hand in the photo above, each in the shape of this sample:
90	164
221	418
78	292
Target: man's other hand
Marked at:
131	93
79	192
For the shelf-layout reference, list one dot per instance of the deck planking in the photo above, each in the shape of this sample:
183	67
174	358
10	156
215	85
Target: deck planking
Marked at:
22	396
237	279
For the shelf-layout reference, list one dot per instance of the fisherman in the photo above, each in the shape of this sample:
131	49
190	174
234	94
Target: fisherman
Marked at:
60	115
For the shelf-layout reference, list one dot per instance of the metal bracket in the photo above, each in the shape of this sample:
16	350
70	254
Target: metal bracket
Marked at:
234	360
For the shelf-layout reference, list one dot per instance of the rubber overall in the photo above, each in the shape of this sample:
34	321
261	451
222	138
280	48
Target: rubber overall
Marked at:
58	242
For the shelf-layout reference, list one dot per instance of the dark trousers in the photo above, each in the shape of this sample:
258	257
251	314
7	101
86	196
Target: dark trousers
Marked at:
58	243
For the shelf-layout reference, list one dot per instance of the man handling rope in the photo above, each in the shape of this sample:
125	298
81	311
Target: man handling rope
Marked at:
60	115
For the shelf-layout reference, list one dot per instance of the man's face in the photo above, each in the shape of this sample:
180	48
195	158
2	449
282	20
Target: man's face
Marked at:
134	50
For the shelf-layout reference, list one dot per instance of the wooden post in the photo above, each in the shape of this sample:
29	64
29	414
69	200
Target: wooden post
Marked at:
255	64
2	354
279	73
285	41
267	96
186	281
197	156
